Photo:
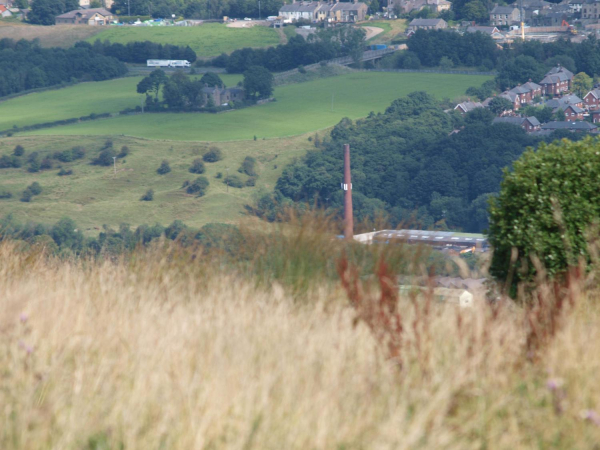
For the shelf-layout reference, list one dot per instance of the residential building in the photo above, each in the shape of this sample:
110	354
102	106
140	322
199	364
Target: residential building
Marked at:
4	12
596	116
557	81
93	16
465	107
523	94
571	126
427	24
590	10
505	15
592	99
222	96
573	113
514	98
324	11
529	124
490	31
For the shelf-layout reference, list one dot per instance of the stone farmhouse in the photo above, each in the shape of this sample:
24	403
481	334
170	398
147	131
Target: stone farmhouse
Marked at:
505	15
427	24
93	16
337	11
221	96
407	6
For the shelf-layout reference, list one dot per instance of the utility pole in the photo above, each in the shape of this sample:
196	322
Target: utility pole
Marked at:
115	164
522	23
129	9
259	10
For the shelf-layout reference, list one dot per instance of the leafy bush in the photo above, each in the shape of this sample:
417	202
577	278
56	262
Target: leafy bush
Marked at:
124	152
197	167
46	164
164	168
148	196
70	155
105	158
248	166
19	151
198	186
63	172
7	162
251	181
34	166
214	154
5	194
35	188
233	181
26	196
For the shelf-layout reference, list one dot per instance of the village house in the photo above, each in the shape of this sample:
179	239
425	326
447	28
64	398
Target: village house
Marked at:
4	12
324	11
523	94
222	96
592	99
504	15
407	6
557	81
93	16
571	126
512	97
427	24
596	117
573	113
465	107
529	124
591	10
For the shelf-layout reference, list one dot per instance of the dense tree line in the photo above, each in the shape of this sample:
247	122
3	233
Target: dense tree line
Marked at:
409	164
44	12
25	65
198	9
66	238
322	46
140	52
521	62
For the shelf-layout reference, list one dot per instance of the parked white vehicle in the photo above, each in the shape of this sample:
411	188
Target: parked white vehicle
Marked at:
168	63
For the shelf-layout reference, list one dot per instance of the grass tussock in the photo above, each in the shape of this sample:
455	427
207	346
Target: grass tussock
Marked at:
169	348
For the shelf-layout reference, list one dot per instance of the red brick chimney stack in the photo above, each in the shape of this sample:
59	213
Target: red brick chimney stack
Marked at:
347	186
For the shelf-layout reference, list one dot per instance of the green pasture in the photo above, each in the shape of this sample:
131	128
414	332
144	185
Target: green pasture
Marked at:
76	101
206	40
300	108
94	195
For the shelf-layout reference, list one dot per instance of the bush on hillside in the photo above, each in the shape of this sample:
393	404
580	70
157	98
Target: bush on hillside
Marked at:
197	167
63	172
164	168
248	166
105	158
4	194
148	196
198	187
19	150
233	181
214	154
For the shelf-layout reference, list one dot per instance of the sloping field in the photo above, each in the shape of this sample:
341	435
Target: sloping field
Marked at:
55	36
299	108
206	40
76	101
94	196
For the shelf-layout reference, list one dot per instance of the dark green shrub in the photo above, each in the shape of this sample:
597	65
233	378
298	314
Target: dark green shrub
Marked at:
63	172
185	184
198	186
148	196
214	154
46	164
35	188
197	167
124	152
26	196
248	166
233	181
19	151
32	157
105	158
251	181
5	194
164	168
219	175
34	166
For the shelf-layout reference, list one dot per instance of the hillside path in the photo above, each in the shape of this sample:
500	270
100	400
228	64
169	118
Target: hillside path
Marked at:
372	32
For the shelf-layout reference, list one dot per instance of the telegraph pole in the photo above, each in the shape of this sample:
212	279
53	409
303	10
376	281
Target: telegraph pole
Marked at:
115	164
259	10
347	187
129	9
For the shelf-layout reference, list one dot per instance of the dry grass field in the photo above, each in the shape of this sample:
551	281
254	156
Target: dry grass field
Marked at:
160	350
55	36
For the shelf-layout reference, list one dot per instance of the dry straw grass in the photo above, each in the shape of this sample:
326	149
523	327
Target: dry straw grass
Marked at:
150	353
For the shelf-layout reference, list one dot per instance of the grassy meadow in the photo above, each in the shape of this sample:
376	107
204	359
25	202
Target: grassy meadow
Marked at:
391	30
54	36
162	350
94	196
75	101
300	108
206	40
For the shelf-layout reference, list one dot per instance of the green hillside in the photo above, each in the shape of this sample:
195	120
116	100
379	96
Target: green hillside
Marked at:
206	40
299	108
76	101
94	196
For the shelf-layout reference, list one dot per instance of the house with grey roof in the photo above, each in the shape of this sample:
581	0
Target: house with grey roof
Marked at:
504	16
557	81
529	124
465	107
571	126
427	24
324	11
592	99
92	16
300	11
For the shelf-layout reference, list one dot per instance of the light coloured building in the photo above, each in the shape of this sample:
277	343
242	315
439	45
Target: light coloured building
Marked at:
505	15
94	16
